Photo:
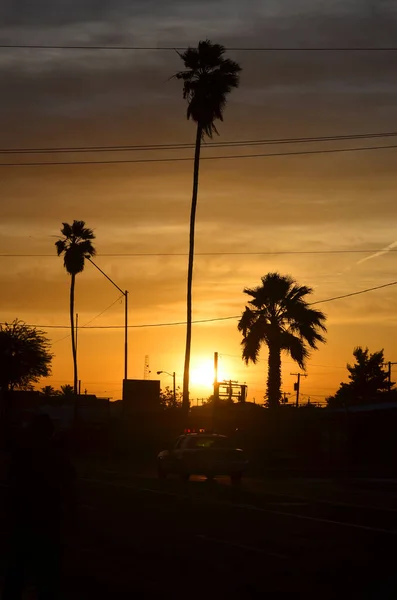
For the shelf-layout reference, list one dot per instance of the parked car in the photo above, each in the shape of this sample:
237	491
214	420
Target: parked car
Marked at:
202	454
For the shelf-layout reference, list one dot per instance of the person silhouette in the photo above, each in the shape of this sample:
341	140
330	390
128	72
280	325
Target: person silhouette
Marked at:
41	485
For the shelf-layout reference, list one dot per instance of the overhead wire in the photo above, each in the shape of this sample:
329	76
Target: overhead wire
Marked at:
102	312
175	48
377	287
222	354
91	320
216	319
190	159
181	254
187	146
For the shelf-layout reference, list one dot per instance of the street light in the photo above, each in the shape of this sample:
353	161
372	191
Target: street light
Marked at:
125	294
173	382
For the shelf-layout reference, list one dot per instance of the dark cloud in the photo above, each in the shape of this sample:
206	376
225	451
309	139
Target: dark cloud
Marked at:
81	84
47	13
273	23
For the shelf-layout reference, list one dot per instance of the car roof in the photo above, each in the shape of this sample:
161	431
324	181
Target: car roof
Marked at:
215	435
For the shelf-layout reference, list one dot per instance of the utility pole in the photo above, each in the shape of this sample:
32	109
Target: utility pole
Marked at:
215	403
389	366
173	387
297	385
126	335
216	385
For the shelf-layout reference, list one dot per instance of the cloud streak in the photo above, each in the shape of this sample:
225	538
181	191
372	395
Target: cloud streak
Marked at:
377	254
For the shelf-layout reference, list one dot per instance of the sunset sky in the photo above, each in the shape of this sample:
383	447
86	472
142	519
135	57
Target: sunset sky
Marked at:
288	205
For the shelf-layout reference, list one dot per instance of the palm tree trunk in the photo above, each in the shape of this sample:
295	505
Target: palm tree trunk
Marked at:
274	376
185	400
74	353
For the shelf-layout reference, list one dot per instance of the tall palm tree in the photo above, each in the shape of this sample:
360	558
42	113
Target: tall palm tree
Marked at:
75	246
207	80
279	316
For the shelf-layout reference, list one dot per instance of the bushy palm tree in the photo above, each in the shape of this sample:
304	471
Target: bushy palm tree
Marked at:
279	316
208	78
67	390
47	390
76	246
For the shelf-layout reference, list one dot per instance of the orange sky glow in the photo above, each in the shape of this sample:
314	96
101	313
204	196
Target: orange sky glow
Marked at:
277	206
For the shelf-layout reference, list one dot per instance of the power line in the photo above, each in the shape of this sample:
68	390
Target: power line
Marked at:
190	159
61	339
91	320
102	312
174	48
182	254
234	317
377	287
221	354
88	382
187	146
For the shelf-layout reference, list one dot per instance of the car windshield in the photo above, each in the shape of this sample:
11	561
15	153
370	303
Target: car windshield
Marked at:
207	441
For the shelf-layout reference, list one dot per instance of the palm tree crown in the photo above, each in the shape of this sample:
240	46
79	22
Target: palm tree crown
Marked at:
207	81
279	316
76	246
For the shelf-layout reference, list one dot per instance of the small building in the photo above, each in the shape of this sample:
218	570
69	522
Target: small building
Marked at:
141	395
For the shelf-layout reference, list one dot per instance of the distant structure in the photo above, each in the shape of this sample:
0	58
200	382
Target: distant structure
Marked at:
232	391
146	369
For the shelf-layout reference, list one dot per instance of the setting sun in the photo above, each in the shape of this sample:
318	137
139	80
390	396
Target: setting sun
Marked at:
202	373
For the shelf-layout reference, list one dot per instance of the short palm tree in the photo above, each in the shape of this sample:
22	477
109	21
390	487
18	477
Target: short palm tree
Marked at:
207	81
279	316
76	246
48	390
67	390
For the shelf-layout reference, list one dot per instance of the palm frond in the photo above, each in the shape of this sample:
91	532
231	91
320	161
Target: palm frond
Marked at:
295	347
66	230
60	246
78	227
86	248
80	231
306	321
251	346
76	246
274	288
298	292
247	320
207	81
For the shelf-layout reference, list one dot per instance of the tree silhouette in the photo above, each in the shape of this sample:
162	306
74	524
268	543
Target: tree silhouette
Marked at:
67	390
279	316
167	400
48	390
75	246
207	81
24	357
368	381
